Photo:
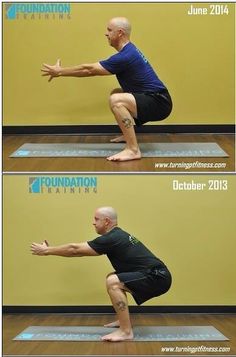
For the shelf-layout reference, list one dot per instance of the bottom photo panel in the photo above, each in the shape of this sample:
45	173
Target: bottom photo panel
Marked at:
119	265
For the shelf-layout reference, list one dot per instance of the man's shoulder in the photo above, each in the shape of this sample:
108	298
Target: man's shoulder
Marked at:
128	48
116	232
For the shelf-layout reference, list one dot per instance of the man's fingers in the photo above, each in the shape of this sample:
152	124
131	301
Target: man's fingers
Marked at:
44	242
50	70
47	66
33	249
48	74
45	70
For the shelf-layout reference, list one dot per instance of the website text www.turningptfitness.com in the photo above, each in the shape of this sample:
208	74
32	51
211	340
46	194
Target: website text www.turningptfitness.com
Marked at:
195	349
190	165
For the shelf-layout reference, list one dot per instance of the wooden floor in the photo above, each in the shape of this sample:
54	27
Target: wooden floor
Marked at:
13	142
13	324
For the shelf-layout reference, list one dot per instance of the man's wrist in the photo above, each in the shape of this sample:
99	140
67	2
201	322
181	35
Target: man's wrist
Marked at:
60	73
47	251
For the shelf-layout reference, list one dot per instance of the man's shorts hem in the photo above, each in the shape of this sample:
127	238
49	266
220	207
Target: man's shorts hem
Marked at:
152	106
147	284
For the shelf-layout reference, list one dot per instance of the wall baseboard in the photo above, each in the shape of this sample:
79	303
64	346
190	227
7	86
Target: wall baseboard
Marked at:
105	309
113	129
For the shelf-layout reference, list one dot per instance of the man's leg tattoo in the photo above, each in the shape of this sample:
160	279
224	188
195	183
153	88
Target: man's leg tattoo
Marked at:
121	305
127	123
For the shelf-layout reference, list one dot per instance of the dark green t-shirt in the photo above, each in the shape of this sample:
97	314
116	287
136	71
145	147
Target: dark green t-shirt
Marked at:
125	252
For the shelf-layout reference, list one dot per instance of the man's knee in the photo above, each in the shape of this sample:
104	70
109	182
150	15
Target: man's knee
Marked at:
115	100
120	100
112	282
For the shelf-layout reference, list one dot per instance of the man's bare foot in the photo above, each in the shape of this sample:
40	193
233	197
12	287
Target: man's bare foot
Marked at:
118	139
125	155
118	335
113	324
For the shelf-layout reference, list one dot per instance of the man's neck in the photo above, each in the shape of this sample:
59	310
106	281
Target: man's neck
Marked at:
111	227
122	44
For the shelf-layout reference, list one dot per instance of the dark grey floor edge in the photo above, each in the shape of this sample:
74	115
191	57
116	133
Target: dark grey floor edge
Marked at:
105	309
113	129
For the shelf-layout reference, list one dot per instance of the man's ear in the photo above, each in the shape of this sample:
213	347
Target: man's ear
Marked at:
121	32
107	220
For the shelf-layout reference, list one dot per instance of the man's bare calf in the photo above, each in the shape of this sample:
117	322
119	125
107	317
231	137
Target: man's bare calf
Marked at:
123	106
116	291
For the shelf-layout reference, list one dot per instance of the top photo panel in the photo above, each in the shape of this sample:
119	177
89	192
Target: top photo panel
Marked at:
118	87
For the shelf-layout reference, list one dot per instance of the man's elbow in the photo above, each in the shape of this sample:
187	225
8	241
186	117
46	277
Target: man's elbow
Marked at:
89	70
97	70
74	250
92	72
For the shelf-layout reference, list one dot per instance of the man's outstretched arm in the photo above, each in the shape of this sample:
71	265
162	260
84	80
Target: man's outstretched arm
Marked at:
82	70
67	250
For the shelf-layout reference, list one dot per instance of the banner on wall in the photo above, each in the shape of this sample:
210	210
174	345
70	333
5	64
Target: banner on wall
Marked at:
39	11
63	184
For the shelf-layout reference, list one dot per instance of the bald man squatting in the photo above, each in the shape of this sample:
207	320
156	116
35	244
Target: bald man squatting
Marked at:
142	97
137	270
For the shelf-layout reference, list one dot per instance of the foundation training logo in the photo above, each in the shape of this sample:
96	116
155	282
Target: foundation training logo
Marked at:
60	184
33	11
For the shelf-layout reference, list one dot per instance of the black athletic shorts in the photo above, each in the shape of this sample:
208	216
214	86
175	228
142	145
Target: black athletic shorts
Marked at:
147	284
152	106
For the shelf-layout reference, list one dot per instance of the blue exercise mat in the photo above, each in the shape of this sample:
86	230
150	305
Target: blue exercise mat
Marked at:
141	333
105	150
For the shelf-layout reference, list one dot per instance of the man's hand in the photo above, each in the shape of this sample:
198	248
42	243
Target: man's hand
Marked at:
39	249
52	71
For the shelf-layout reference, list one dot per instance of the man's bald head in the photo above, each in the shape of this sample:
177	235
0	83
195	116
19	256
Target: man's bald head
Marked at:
105	219
118	32
123	24
108	212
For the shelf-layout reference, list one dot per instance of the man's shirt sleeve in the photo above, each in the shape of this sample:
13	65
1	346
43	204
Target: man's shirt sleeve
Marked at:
101	245
115	64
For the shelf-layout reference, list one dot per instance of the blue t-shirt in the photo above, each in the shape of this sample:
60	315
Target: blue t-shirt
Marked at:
133	71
